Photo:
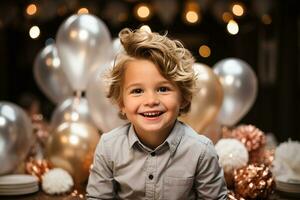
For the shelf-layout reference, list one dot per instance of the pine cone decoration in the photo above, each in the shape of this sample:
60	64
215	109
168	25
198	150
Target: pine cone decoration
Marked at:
254	181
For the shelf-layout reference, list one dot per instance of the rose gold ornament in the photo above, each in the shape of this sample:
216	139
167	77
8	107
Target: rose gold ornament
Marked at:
254	181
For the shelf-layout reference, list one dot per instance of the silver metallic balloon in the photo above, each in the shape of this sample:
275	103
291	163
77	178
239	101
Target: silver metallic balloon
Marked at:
16	136
103	112
117	47
84	44
73	109
239	84
49	75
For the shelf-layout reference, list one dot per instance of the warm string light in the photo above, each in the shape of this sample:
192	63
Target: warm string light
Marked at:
192	12
31	9
75	193
191	17
83	11
237	10
227	16
204	51
143	11
34	32
232	27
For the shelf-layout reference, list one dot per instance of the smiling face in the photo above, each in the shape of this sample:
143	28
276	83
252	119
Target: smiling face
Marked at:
150	101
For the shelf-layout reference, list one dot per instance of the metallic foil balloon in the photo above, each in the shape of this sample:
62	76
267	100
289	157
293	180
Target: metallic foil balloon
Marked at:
49	75
239	84
117	47
73	109
83	44
207	101
71	146
103	112
15	136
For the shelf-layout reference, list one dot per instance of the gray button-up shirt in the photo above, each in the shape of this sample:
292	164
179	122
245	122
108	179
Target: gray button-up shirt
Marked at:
184	167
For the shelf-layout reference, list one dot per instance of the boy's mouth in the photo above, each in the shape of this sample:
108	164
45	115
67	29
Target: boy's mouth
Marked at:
151	114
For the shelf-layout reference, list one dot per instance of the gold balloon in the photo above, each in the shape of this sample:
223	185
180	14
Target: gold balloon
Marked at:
207	101
71	146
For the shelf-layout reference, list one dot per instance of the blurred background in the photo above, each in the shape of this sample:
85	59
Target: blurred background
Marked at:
264	33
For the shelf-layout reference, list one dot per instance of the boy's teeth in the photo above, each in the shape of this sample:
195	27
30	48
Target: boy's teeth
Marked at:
151	114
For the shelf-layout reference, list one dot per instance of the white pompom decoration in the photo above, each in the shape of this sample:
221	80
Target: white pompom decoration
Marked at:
286	162
57	181
232	154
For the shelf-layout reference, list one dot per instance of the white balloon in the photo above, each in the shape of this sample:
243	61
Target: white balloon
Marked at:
239	84
16	136
49	75
103	112
117	47
83	44
73	109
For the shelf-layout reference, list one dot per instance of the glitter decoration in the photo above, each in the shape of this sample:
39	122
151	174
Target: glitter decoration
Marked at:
250	136
254	181
37	167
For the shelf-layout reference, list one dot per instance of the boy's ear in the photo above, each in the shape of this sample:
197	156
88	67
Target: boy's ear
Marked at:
184	103
121	106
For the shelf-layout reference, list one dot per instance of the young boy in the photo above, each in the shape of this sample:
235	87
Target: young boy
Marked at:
155	156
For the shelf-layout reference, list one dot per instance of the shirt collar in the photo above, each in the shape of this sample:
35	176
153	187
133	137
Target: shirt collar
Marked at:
132	136
172	140
175	136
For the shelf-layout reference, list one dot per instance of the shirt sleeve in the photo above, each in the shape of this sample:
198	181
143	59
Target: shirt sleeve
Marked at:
100	184
210	182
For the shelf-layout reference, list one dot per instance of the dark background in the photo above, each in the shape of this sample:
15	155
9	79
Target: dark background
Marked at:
272	50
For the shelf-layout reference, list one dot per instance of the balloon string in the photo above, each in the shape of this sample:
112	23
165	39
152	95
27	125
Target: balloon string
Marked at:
77	98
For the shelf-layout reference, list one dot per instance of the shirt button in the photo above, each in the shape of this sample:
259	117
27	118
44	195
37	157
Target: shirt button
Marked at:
153	154
150	176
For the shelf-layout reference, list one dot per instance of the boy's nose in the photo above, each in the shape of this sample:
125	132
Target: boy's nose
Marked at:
152	99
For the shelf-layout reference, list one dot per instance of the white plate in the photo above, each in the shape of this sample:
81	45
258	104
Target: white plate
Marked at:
20	191
17	188
17	179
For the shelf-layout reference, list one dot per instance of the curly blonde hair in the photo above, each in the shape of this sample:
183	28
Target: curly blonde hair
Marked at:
173	60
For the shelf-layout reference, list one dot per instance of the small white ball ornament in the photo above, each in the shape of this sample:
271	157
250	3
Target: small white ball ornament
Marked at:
286	162
57	181
232	154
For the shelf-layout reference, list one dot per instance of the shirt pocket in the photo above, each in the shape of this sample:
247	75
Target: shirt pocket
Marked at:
177	187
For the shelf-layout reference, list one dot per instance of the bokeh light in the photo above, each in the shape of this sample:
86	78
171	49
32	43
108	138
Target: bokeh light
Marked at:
34	32
232	27
237	10
204	51
31	9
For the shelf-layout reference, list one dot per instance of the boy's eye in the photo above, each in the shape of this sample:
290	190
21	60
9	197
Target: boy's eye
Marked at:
136	91
163	89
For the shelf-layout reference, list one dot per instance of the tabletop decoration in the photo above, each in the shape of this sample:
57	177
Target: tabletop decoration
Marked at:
254	181
232	155
253	138
57	181
287	159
